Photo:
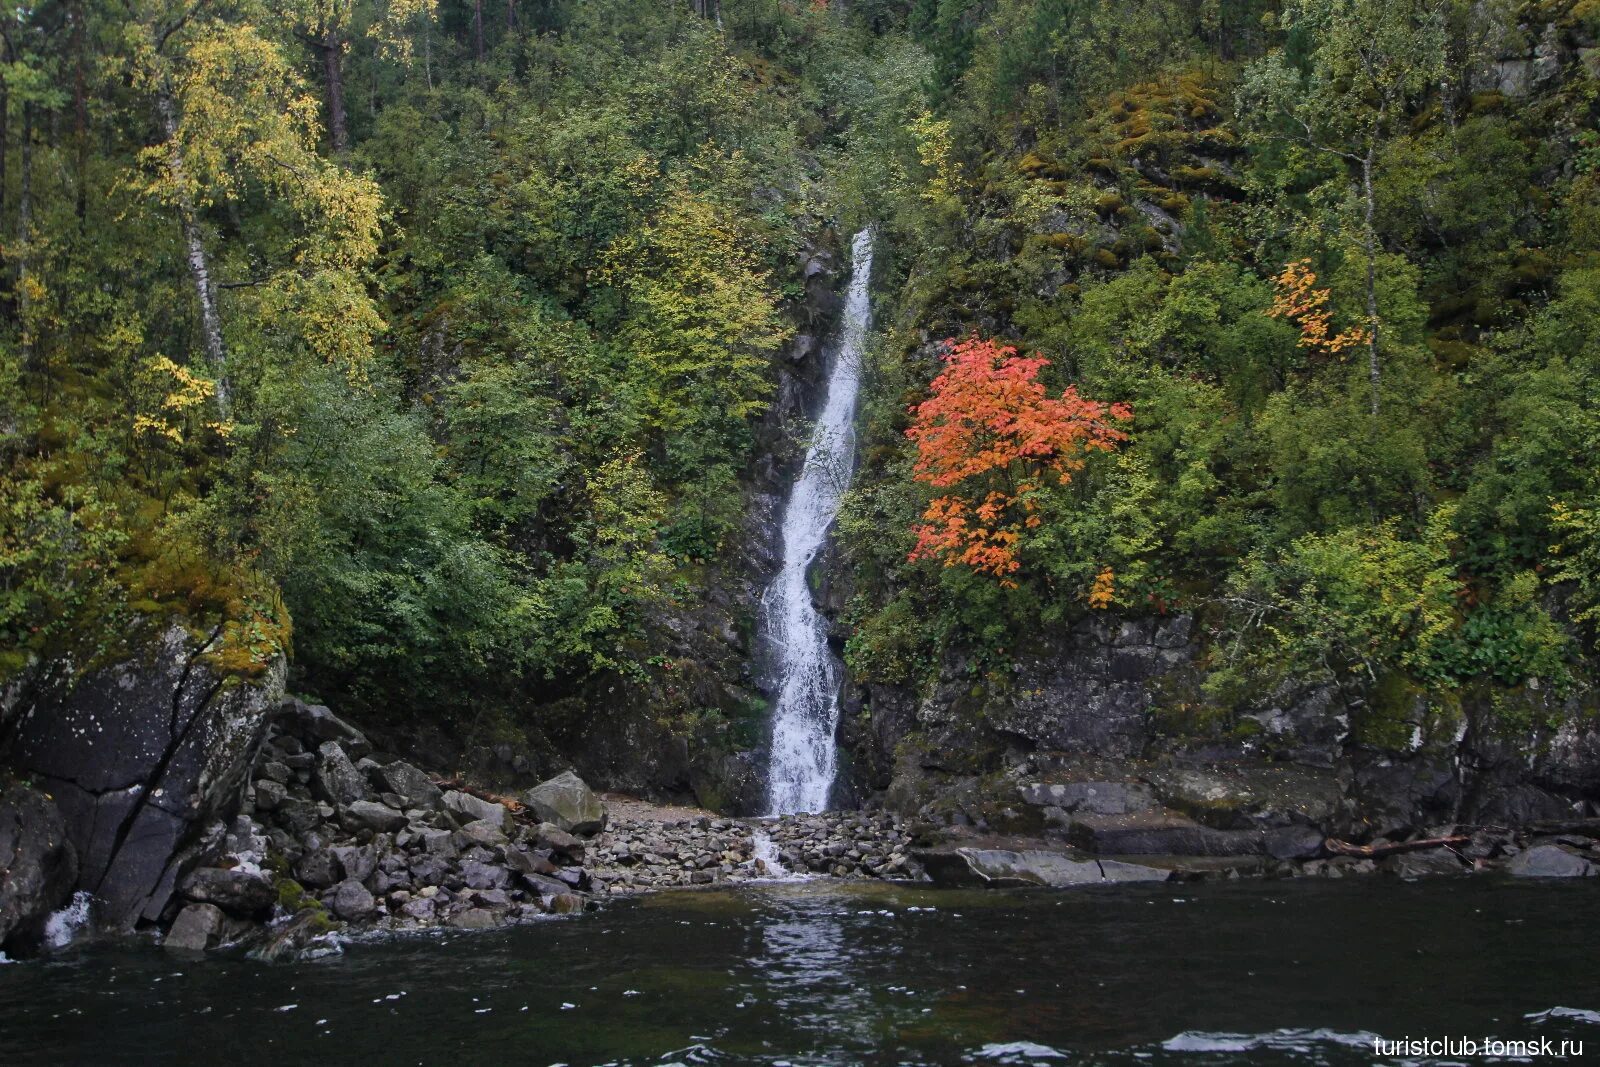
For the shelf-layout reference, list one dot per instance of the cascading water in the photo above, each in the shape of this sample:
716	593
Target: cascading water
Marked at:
804	758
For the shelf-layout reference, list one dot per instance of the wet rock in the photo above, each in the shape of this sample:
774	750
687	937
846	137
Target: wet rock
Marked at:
566	904
38	866
568	802
351	901
242	891
299	937
999	868
371	815
197	928
335	778
1550	861
475	809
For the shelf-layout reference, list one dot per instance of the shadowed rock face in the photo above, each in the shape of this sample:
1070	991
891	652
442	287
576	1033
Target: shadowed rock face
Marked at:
141	756
38	866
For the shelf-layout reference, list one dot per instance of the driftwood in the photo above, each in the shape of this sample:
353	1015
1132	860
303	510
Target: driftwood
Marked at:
1345	848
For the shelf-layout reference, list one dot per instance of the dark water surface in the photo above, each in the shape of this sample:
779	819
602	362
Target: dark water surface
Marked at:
820	972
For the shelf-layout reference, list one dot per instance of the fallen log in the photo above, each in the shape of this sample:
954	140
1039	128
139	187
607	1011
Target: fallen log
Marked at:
461	786
1345	848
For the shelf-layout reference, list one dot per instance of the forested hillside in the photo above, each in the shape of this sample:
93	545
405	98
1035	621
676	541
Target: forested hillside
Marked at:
437	343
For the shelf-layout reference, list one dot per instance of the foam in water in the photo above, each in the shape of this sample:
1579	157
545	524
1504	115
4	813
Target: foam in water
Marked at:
804	758
63	925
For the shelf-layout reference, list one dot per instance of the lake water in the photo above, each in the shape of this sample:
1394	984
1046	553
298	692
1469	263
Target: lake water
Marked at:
828	973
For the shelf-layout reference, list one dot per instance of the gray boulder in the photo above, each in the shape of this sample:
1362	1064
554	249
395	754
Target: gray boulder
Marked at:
481	832
351	901
38	866
355	863
412	786
1424	863
473	809
242	891
1550	861
568	802
371	815
197	928
336	779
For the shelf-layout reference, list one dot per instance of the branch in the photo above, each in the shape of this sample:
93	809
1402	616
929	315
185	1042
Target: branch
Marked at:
1345	848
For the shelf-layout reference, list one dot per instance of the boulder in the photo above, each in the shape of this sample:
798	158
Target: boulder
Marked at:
142	756
474	809
481	832
1000	868
1156	834
1550	860
320	724
351	901
317	869
38	866
558	841
335	778
484	875
356	863
1424	863
371	815
270	794
412	786
476	919
569	803
243	891
197	928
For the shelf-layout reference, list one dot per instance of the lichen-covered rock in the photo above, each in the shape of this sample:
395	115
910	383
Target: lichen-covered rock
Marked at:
140	757
38	865
568	802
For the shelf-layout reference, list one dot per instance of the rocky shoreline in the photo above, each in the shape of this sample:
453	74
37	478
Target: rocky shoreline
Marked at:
333	837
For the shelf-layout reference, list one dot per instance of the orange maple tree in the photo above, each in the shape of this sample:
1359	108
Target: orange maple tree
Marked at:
1302	303
990	431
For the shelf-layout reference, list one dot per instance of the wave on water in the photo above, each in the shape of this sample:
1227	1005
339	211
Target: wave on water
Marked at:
1284	1040
1019	1052
1582	1015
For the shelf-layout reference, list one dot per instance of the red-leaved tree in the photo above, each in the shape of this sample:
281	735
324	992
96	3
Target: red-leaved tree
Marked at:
989	433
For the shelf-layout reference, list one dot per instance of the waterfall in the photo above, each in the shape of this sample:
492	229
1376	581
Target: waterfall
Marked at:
804	758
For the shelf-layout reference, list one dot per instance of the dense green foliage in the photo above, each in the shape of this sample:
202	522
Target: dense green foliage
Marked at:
1120	188
441	333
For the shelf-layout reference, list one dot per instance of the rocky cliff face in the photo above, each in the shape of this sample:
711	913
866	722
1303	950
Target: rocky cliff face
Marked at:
1111	704
140	758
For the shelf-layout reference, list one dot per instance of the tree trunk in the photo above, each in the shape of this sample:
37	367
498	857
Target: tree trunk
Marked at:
333	76
80	114
477	30
199	263
25	235
1371	241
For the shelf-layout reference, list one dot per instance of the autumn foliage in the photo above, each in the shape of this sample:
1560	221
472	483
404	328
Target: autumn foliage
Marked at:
991	434
1302	303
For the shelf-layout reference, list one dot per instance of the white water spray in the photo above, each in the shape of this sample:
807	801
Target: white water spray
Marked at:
804	758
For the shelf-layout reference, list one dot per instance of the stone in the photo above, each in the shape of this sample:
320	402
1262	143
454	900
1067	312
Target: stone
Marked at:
270	794
428	870
244	891
475	919
559	842
355	863
38	866
273	771
196	928
335	778
484	875
1423	863
565	904
371	815
475	809
317	869
999	868
413	787
297	815
299	937
141	757
318	722
1550	861
439	843
421	909
1154	834
568	802
351	901
481	832
529	862
1294	842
